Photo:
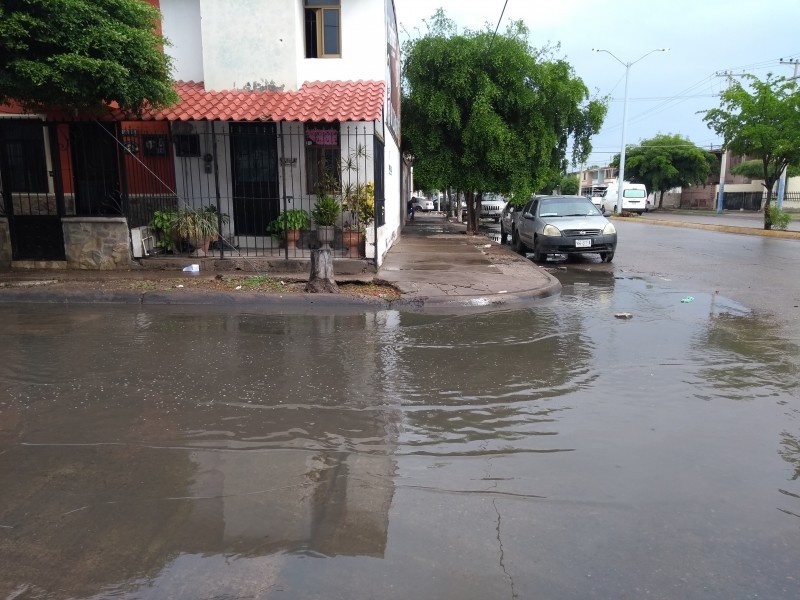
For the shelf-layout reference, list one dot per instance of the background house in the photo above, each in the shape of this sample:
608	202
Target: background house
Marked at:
275	98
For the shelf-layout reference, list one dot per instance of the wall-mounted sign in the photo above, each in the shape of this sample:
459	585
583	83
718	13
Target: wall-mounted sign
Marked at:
323	137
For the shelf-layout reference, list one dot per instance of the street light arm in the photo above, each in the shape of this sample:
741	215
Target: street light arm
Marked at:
627	65
649	53
612	54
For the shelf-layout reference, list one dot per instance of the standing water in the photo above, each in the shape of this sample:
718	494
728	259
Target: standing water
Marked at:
555	452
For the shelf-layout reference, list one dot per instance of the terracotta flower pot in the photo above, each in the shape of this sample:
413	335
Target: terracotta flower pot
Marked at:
352	239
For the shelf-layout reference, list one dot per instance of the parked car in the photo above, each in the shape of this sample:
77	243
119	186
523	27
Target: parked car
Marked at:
492	206
507	217
563	225
422	204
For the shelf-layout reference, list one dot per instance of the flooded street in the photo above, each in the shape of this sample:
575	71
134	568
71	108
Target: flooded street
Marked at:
557	452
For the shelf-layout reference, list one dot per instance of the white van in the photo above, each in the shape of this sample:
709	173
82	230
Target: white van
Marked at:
634	198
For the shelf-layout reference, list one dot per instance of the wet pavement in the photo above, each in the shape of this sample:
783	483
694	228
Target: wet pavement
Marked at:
552	451
549	452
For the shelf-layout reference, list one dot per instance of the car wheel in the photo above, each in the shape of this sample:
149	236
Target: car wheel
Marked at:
503	236
519	245
537	254
606	256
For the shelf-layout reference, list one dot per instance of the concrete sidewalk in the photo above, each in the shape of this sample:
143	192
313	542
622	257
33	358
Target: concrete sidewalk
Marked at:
434	264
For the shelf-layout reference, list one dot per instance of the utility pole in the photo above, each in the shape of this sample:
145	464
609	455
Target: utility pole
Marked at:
724	159
782	179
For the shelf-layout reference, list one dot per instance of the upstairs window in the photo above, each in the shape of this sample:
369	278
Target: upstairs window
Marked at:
323	28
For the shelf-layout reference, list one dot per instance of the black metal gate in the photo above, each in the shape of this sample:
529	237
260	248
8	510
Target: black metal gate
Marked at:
95	169
254	169
31	198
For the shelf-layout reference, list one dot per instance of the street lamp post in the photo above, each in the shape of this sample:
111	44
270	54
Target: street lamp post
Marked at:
628	65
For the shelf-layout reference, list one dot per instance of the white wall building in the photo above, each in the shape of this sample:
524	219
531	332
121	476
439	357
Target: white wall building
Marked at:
257	61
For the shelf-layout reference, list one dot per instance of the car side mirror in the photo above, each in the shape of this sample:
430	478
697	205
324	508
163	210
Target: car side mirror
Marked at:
527	215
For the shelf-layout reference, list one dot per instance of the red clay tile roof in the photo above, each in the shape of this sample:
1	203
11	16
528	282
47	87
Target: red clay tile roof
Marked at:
314	101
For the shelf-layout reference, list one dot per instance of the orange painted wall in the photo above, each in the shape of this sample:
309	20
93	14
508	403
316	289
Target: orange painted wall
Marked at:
149	174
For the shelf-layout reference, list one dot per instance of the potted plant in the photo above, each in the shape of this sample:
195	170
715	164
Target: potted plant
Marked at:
325	213
360	204
288	226
198	226
163	224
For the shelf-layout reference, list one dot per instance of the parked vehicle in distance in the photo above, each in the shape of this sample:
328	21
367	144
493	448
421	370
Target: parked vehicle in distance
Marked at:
634	198
492	207
563	225
422	204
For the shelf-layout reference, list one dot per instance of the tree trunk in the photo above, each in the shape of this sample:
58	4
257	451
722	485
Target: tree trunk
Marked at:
469	198
661	200
768	185
321	279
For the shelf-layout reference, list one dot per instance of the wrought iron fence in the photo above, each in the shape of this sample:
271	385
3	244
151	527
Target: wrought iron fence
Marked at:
263	179
260	177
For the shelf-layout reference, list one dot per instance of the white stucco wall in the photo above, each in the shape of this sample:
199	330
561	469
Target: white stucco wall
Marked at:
195	187
249	41
180	24
387	234
363	46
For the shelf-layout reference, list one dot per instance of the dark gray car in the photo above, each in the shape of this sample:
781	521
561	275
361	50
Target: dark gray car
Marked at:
563	225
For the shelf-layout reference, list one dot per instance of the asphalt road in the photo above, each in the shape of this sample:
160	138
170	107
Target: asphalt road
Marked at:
762	273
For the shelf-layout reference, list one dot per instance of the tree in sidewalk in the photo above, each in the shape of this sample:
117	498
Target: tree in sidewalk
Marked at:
761	120
82	55
491	113
666	161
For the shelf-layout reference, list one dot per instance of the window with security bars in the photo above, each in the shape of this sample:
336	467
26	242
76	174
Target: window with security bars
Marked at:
323	154
24	146
323	28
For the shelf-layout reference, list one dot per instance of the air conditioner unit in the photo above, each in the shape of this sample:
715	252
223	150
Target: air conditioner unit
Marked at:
142	241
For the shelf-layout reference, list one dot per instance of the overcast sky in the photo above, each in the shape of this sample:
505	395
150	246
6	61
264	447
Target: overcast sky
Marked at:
665	89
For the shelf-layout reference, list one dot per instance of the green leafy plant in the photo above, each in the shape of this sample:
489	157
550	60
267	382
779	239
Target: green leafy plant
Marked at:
198	223
293	219
326	210
163	222
779	219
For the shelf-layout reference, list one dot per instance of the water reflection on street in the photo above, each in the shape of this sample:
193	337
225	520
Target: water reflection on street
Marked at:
556	452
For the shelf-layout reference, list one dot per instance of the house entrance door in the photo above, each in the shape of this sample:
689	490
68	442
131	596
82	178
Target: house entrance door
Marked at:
29	197
254	167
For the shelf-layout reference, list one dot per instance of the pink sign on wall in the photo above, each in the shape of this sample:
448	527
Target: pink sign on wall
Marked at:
323	137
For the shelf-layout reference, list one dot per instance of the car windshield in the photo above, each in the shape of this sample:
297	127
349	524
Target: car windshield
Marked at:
567	208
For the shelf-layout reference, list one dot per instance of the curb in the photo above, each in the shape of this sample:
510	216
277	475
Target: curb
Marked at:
776	233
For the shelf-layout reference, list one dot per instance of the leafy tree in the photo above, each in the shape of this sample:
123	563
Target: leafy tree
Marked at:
79	55
569	185
754	169
761	120
666	161
490	113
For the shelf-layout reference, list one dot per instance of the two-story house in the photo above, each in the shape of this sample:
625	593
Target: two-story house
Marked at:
282	102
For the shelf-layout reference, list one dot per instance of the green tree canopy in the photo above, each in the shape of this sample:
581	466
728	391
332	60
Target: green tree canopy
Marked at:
490	113
80	55
761	120
754	169
666	161
569	185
